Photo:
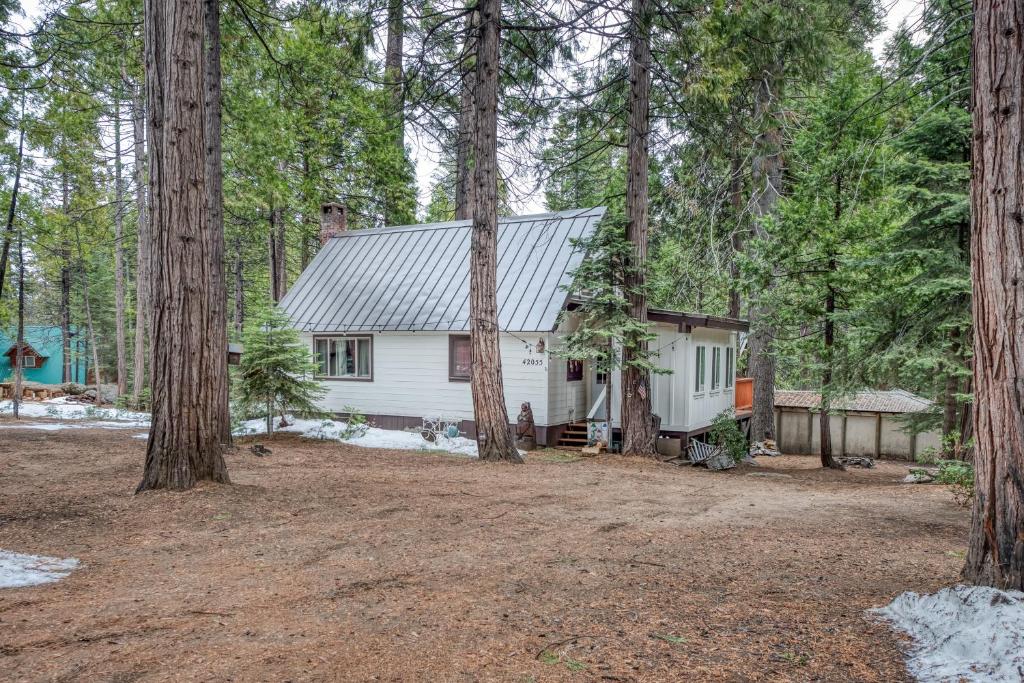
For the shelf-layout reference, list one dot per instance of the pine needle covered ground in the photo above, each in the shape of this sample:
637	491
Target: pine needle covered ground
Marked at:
329	562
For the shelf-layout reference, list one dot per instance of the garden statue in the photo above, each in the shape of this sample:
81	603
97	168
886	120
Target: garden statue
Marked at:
526	431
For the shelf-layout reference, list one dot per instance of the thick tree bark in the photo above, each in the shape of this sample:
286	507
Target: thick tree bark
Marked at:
394	78
494	437
639	436
995	554
393	72
119	275
217	324
142	269
12	206
766	180
466	135
188	358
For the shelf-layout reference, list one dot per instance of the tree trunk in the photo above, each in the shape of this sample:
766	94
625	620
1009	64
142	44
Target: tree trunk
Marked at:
394	79
825	425
737	240
310	217
950	406
19	352
766	180
639	436
96	374
119	286
995	554
188	358
65	282
239	288
493	435
466	136
142	269
83	269
282	254
12	207
217	324
274	256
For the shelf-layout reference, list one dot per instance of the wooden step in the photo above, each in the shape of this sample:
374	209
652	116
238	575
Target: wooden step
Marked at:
581	441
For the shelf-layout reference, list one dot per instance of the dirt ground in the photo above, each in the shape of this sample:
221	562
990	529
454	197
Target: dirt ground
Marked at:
326	562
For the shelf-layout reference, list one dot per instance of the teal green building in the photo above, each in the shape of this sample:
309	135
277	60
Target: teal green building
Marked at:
43	355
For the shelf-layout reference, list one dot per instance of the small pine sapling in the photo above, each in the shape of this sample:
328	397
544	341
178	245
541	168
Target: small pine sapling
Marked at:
276	371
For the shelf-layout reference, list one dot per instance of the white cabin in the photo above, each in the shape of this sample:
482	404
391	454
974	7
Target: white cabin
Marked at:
385	315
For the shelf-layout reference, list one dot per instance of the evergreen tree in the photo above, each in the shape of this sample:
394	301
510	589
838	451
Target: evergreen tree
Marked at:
275	376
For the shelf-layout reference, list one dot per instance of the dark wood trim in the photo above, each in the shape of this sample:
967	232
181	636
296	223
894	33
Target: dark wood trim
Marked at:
325	378
686	321
451	358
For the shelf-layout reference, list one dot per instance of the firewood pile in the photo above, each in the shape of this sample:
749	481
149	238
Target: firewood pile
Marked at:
31	391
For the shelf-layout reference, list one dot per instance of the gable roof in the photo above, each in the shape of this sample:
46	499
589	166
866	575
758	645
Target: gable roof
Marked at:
893	401
416	277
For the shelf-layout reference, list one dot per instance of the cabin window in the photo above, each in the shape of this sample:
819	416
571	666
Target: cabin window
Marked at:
601	377
28	361
716	368
699	369
460	358
729	370
344	357
573	370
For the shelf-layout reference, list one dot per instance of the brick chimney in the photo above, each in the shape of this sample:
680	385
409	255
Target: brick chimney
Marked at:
333	221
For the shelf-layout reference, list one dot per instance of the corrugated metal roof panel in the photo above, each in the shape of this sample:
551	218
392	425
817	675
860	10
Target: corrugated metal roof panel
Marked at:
416	277
892	401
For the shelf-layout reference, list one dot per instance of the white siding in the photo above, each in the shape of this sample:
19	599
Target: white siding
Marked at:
668	398
410	378
567	401
705	405
672	394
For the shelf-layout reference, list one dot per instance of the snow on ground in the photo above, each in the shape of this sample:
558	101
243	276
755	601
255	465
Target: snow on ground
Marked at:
367	437
85	424
61	409
18	570
964	633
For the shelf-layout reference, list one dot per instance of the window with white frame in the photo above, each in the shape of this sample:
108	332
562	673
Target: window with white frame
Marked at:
344	357
699	369
716	368
730	371
28	361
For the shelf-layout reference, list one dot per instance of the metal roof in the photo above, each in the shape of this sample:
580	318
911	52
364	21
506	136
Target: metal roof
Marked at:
416	277
892	401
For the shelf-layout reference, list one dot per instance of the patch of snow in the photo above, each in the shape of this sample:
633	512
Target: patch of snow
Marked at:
62	409
57	426
18	570
367	437
964	633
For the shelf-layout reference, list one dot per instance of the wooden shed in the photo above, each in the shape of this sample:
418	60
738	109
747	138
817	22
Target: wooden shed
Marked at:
869	423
